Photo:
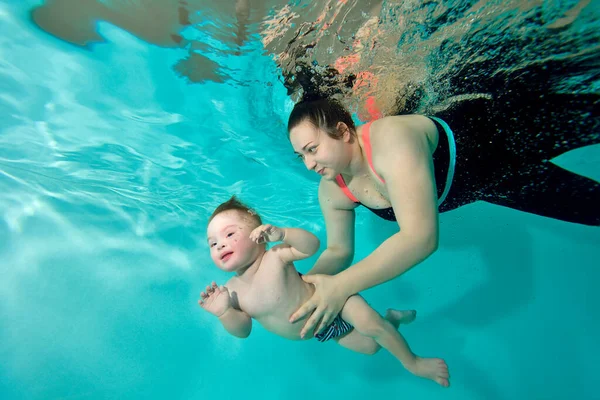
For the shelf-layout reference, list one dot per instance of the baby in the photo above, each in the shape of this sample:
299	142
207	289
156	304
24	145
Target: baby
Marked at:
266	287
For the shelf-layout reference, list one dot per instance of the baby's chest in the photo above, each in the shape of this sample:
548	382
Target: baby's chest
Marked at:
266	294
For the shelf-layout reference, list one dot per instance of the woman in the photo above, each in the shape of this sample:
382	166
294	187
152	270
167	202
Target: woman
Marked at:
405	168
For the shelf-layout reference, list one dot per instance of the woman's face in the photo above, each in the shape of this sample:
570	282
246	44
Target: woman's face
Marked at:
326	156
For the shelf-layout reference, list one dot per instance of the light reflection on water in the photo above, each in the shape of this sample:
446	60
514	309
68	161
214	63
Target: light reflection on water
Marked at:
112	158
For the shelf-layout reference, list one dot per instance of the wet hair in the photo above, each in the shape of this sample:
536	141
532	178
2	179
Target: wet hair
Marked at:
324	114
234	204
309	80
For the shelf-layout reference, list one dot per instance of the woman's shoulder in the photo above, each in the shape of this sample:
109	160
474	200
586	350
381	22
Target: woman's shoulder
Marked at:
400	122
400	129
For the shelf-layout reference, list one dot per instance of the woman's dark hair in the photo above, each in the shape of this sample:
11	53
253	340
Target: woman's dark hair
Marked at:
324	114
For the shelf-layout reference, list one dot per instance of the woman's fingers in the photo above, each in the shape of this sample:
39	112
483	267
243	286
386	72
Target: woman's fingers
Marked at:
309	326
325	322
304	310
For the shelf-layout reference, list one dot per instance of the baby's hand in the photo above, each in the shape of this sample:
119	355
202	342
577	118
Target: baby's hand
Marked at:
267	233
215	300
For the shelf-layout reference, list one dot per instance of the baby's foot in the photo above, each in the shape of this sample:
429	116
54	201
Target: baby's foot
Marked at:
432	368
397	317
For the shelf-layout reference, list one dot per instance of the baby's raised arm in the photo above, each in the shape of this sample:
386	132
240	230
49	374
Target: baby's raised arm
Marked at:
297	243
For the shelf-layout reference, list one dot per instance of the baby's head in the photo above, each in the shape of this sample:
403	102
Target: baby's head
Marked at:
229	228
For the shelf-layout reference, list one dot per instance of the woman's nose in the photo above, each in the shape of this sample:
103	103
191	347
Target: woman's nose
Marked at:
309	163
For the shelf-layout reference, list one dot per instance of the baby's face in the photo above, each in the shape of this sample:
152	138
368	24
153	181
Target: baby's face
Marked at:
229	240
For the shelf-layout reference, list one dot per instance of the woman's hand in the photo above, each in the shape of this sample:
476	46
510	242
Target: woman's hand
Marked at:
327	302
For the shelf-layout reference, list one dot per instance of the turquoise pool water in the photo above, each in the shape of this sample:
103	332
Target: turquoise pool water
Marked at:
109	167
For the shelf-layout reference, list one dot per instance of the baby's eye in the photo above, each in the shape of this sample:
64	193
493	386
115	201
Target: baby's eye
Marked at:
212	244
230	234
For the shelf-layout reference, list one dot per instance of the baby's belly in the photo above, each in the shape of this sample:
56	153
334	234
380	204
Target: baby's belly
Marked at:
277	314
282	327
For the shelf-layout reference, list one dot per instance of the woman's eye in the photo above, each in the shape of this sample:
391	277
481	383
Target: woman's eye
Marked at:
312	149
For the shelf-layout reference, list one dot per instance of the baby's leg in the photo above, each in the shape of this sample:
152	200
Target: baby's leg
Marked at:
397	317
359	343
369	323
356	341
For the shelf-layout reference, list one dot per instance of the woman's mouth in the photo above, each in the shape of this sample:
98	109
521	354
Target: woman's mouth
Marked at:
321	171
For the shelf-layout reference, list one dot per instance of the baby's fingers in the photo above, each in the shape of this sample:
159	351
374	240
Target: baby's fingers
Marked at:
255	235
223	289
203	297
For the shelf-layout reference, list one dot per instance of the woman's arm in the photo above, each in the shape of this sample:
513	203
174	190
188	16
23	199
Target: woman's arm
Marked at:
338	212
402	157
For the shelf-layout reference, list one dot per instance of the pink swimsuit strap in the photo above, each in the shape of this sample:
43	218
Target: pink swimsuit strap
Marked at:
366	132
367	146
